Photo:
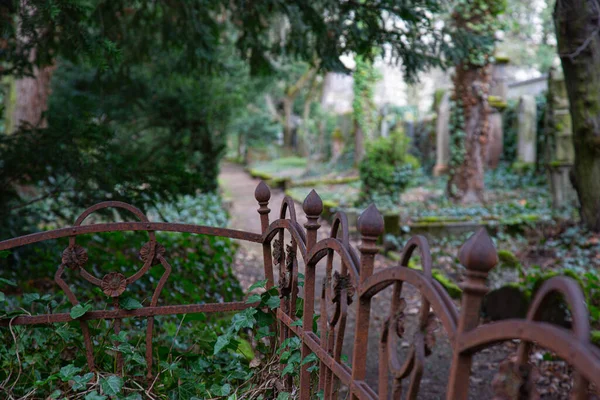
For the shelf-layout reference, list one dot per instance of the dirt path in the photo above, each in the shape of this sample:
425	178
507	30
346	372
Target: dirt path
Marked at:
239	187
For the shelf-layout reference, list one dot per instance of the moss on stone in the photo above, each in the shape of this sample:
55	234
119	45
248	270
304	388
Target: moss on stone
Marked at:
260	175
508	259
330	204
520	166
497	102
442	218
501	59
559	163
330	181
452	288
595	337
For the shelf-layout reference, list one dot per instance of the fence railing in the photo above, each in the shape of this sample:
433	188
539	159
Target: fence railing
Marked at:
349	280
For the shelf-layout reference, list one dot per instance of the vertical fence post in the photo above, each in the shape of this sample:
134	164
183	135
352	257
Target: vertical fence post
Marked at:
262	194
478	255
313	206
370	226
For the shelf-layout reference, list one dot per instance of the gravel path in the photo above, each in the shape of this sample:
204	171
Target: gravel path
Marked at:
239	187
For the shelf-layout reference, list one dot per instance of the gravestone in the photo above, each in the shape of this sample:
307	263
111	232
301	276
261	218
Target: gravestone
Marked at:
527	130
560	149
337	144
442	134
497	102
495	145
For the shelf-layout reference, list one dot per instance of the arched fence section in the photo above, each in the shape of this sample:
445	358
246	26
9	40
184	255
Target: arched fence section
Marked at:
348	282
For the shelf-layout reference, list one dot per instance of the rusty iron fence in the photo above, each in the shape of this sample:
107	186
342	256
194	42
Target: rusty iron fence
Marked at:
351	281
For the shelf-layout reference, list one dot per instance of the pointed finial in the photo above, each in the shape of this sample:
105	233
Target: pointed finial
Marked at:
370	222
262	193
313	205
478	253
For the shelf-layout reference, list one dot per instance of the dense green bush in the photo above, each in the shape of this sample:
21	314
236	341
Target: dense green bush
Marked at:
387	169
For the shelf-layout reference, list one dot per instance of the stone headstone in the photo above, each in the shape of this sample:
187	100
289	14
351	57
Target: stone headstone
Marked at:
495	145
497	102
527	130
561	153
442	132
337	144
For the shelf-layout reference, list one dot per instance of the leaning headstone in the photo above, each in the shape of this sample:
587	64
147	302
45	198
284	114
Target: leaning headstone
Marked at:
561	153
527	130
497	102
442	132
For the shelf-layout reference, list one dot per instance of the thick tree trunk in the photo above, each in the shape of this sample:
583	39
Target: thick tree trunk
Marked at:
578	34
468	145
32	99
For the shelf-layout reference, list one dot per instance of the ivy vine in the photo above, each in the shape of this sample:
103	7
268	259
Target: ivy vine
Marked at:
363	105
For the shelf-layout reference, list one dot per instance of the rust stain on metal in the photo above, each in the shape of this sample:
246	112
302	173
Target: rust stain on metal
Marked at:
354	284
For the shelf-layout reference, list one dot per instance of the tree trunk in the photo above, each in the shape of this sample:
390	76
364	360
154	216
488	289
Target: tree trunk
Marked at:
468	146
577	32
32	99
289	139
288	129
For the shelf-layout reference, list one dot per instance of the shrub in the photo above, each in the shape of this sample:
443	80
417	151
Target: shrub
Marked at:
387	168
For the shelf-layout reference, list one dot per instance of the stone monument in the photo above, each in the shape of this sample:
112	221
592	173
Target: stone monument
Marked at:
527	131
442	134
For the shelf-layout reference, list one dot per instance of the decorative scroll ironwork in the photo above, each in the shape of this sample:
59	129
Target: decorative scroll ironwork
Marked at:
351	282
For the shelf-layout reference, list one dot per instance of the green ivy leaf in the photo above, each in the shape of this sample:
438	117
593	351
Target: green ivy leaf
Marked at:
312	357
95	396
283	396
55	395
129	303
79	310
257	285
4	254
80	382
244	319
273	302
222	342
8	282
218	390
255	298
111	385
68	371
2	297
289	369
297	322
121	337
29	298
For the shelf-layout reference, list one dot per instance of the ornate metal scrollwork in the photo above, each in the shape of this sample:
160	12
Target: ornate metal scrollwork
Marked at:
285	274
146	250
341	282
74	257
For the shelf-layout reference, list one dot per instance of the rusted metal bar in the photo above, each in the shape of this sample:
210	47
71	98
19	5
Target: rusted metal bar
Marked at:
121	313
313	207
479	256
129	226
370	225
